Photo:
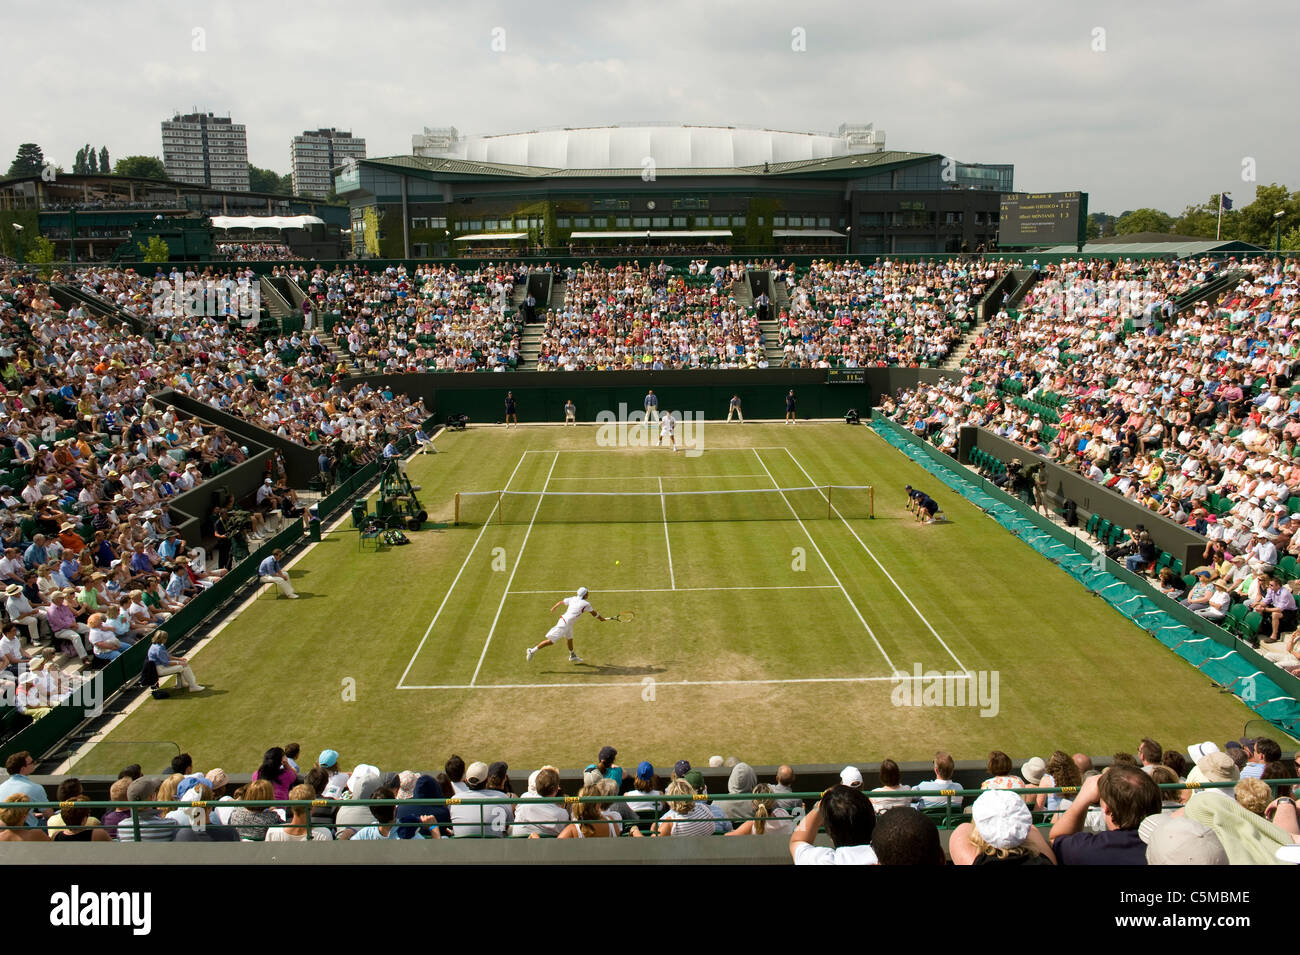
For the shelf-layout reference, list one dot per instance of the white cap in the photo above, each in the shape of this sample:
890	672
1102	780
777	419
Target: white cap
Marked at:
850	776
582	591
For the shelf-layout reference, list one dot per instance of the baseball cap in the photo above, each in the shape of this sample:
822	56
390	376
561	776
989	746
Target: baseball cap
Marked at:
645	769
681	768
1002	818
328	758
582	591
476	773
696	779
607	754
850	776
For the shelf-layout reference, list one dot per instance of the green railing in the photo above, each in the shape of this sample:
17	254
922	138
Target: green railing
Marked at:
946	816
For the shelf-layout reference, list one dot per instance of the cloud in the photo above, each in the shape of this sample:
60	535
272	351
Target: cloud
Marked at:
1155	119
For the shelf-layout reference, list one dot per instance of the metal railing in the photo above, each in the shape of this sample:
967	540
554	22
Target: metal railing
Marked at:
946	815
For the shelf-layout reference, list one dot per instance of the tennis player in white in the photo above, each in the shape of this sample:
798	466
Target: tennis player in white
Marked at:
574	607
668	429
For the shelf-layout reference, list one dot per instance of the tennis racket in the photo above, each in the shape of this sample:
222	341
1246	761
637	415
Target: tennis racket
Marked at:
626	616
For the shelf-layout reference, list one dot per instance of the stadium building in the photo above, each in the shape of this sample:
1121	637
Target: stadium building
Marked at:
665	187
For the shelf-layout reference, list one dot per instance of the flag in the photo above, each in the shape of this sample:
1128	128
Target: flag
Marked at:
1225	204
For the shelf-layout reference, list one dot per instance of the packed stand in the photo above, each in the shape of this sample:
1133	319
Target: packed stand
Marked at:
1193	414
438	319
846	314
628	317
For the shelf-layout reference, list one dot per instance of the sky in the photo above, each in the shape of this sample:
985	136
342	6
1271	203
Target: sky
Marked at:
1139	104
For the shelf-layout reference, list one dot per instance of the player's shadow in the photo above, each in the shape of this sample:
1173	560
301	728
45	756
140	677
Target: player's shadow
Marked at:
609	670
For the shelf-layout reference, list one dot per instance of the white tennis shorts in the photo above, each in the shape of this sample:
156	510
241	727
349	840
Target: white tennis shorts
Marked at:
561	631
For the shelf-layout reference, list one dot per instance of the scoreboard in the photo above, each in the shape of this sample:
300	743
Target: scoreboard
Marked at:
1043	218
846	376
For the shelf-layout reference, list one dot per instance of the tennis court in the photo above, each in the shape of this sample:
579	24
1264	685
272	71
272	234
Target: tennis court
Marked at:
768	625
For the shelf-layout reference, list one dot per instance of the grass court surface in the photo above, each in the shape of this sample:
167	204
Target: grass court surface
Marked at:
771	639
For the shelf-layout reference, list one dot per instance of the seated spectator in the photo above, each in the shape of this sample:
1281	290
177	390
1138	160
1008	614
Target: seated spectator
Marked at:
417	820
1061	772
13	814
253	822
194	824
907	837
588	820
768	816
1001	832
78	825
890	780
1127	796
1000	775
849	821
944	767
482	821
384	817
687	817
145	824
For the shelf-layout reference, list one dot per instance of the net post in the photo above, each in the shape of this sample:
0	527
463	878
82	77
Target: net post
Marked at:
871	502
501	518
456	519
830	511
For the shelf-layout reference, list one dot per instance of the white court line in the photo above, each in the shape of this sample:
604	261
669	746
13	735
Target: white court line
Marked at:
648	477
447	596
658	683
519	558
760	447
870	554
892	668
678	590
663	504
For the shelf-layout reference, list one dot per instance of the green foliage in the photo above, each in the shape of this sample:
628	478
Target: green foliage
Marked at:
1143	220
372	230
141	167
104	166
92	160
155	250
265	180
29	161
39	250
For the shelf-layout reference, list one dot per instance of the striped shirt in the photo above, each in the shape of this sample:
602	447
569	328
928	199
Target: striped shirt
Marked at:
698	822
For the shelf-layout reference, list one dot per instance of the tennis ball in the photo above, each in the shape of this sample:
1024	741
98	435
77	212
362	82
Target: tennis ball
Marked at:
617	562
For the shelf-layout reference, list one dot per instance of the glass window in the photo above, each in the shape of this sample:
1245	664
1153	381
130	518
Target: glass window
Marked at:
562	222
660	222
582	222
778	222
622	222
640	222
679	222
823	222
738	220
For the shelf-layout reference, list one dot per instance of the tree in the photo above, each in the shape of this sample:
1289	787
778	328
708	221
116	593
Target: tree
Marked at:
29	161
1256	224
141	167
40	250
155	251
104	167
1203	220
79	164
371	224
1143	220
264	180
1291	240
92	160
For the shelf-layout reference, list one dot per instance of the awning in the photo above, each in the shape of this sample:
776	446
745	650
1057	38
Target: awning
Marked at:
491	237
265	222
653	234
807	234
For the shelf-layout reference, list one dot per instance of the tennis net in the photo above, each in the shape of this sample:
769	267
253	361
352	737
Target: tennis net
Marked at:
638	507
